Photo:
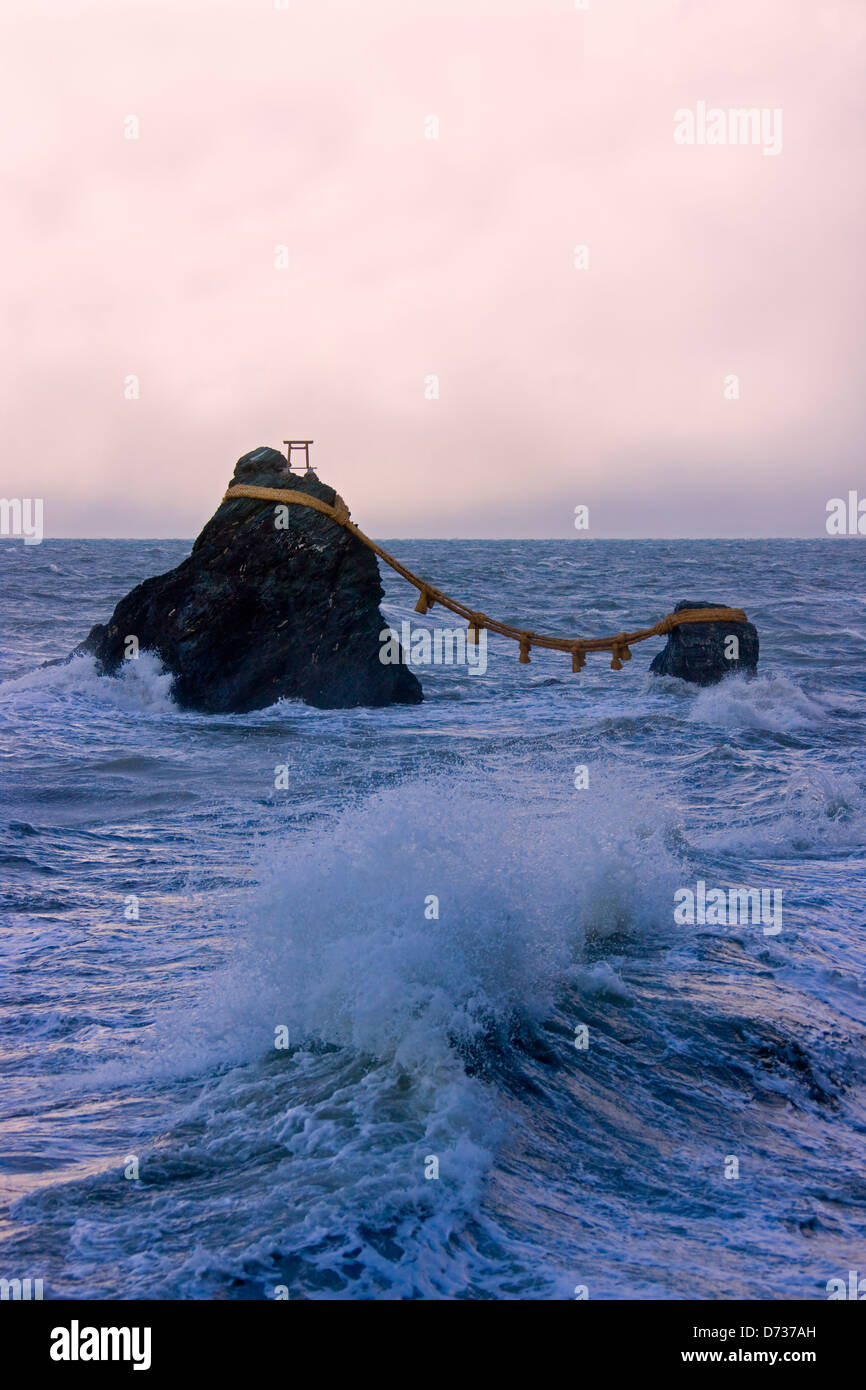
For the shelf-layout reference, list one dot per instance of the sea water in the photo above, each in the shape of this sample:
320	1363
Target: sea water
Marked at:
413	1018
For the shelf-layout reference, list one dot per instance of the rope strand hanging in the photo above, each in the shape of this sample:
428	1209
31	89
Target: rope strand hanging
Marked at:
429	595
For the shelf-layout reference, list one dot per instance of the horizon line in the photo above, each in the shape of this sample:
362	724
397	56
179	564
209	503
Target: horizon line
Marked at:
578	540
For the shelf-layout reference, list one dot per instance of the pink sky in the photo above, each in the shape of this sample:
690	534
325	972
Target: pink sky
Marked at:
411	257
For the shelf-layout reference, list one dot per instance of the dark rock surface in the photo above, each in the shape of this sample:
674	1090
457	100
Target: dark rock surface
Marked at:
696	651
255	614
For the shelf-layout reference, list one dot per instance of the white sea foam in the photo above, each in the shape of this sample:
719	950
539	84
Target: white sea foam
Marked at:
143	684
333	943
337	945
775	703
814	813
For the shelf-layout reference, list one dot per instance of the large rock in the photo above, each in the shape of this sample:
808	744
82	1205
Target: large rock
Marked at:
256	614
696	651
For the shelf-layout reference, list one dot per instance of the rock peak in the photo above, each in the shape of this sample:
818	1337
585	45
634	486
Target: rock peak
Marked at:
262	467
274	602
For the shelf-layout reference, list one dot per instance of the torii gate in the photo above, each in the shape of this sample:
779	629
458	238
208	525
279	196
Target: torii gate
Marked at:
298	444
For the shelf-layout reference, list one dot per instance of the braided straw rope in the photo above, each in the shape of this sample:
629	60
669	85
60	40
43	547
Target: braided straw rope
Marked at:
429	595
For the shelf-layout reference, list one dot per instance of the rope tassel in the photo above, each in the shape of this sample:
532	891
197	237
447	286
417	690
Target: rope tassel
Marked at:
425	601
621	653
525	649
578	659
476	626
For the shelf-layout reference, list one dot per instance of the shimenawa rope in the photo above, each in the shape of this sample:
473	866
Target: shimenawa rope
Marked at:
429	595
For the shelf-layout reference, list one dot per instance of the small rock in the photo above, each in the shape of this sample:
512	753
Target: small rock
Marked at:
697	651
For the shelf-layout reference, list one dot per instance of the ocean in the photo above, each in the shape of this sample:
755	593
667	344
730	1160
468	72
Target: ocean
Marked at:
412	1018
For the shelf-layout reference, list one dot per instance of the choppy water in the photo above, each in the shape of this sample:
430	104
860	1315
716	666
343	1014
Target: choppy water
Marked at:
451	1038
